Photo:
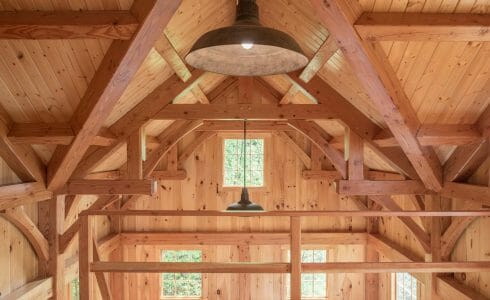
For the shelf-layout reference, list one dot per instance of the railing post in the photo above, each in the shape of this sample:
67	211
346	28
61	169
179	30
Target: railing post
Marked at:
295	250
85	256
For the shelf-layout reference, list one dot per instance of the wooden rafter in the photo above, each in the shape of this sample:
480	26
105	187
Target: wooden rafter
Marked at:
116	70
375	73
423	27
67	25
38	289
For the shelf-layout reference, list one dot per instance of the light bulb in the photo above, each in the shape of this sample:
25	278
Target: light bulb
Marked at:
247	45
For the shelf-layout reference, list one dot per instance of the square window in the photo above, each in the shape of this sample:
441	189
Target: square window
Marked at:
233	160
313	285
406	287
181	284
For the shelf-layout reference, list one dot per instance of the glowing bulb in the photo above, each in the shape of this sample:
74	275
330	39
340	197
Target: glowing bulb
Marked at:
247	45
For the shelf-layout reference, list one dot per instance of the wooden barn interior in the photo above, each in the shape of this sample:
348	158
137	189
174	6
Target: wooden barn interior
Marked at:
119	158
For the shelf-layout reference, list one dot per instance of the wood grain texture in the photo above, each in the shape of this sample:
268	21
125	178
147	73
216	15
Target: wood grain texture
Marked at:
67	25
380	81
423	27
114	74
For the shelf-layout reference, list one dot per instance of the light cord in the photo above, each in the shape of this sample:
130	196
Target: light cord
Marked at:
245	153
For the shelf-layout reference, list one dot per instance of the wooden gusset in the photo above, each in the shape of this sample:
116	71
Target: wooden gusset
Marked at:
116	70
102	280
420	235
20	158
67	237
21	220
466	159
311	132
453	233
169	138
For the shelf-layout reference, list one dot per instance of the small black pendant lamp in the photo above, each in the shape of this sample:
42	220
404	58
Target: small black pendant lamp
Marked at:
244	204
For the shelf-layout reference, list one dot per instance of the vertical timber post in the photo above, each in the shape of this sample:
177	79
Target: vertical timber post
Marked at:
295	250
85	256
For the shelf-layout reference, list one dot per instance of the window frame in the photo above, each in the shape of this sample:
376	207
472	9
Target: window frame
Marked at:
394	286
160	281
267	164
329	280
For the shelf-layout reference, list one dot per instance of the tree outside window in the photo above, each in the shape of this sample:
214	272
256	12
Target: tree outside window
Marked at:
233	162
181	285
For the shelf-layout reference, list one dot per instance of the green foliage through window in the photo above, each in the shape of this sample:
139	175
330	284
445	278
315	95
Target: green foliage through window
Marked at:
406	287
181	284
313	285
233	162
75	289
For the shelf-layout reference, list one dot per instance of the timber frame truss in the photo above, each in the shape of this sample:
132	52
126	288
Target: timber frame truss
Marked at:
83	144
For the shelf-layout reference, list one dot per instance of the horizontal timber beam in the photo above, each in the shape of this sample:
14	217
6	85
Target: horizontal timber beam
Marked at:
423	27
119	25
295	213
23	193
238	126
436	135
159	267
342	267
235	238
245	111
331	175
381	187
391	267
110	187
475	193
52	133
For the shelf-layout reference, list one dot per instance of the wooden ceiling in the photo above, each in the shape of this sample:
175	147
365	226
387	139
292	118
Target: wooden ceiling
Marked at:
446	82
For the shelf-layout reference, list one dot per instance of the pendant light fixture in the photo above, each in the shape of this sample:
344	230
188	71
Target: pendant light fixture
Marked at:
247	48
244	204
